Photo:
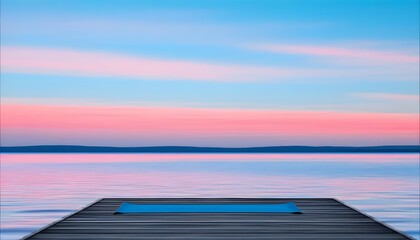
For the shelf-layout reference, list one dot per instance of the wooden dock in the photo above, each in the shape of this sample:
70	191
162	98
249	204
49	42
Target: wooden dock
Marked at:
322	218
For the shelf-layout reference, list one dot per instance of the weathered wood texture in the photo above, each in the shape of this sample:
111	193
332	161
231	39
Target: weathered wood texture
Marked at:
322	218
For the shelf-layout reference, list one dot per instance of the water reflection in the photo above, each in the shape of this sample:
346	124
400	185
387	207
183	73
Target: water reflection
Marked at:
40	188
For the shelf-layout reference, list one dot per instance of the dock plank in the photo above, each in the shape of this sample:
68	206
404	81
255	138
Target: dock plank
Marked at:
322	218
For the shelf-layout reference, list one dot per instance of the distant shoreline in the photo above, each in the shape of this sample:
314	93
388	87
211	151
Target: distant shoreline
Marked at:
187	149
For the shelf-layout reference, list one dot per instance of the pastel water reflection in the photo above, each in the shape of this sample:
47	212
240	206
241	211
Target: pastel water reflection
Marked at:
40	188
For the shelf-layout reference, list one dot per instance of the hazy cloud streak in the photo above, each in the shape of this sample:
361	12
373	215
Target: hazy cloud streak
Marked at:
344	53
390	96
85	63
132	124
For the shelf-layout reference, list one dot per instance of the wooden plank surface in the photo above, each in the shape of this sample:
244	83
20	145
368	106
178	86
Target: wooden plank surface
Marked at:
322	218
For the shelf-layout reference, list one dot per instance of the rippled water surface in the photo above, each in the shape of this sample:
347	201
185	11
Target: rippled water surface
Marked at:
40	188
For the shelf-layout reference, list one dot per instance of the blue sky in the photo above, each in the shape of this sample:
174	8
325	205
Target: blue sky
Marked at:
304	55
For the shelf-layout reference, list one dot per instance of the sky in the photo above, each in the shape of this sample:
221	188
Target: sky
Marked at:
228	73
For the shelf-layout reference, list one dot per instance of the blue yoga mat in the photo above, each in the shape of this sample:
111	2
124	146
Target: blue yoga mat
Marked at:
208	208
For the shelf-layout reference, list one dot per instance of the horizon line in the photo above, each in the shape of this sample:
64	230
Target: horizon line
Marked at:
196	149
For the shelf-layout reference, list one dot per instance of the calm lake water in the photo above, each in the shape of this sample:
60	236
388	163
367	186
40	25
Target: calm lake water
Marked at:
37	189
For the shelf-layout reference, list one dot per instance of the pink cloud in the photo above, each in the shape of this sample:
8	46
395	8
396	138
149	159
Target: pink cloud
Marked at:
85	63
102	64
341	53
154	125
391	96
